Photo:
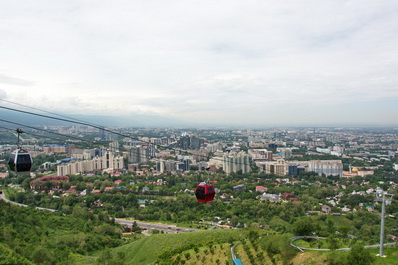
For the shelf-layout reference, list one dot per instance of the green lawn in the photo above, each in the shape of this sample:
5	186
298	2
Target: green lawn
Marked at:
390	252
320	243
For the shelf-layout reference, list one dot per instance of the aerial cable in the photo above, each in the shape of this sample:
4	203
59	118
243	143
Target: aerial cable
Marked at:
40	135
35	128
87	124
110	131
93	143
78	122
64	116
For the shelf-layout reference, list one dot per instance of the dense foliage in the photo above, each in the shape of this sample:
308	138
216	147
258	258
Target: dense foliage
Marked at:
49	238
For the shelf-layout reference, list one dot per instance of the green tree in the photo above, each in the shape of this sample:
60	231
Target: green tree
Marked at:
359	255
43	256
332	242
303	226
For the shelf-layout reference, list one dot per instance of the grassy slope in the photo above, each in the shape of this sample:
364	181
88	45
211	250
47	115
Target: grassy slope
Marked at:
316	258
204	255
243	255
309	258
212	247
390	252
150	249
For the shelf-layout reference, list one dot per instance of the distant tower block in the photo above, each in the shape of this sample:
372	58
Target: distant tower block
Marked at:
102	133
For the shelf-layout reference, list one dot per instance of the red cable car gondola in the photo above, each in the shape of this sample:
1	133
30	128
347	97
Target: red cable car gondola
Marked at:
204	192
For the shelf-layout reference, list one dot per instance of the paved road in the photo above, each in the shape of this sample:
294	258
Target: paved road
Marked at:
166	228
326	249
233	250
163	227
3	197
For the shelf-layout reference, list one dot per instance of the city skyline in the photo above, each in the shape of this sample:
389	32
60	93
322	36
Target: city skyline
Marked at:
205	63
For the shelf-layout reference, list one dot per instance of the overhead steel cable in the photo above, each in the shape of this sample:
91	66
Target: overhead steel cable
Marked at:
113	132
78	122
47	131
37	135
58	139
45	111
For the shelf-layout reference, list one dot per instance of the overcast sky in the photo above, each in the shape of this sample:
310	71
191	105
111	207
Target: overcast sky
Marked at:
229	62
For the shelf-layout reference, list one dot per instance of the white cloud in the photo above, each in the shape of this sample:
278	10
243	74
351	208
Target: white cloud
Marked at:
206	60
3	94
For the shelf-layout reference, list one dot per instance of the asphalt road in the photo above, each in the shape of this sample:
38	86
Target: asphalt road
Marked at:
166	228
3	197
146	225
326	249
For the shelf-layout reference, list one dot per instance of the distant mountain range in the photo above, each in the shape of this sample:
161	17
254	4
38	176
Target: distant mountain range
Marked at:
130	121
150	121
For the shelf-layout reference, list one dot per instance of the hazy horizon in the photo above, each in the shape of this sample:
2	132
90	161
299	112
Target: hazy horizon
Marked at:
151	121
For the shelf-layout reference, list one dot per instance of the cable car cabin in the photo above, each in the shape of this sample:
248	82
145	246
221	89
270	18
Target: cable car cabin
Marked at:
204	192
20	161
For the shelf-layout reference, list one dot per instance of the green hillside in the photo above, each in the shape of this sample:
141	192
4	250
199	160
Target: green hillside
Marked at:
164	246
8	256
213	247
40	237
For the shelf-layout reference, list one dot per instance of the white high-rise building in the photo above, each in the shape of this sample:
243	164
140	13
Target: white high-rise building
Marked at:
327	167
235	162
107	161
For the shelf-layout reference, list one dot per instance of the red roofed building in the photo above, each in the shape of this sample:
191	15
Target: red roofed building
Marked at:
261	189
55	181
287	195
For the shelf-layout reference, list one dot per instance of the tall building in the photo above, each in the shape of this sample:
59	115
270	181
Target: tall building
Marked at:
139	154
101	132
279	167
160	166
55	148
327	167
286	152
114	146
235	162
191	142
184	164
170	165
214	147
184	142
260	155
107	161
294	170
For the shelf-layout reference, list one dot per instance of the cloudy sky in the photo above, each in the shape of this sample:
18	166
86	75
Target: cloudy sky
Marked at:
221	62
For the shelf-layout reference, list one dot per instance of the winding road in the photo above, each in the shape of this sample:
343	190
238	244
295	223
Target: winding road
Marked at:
146	225
3	197
327	249
164	227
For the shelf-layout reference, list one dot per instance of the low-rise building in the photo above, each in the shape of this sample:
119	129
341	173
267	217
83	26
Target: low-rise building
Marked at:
51	182
261	189
270	197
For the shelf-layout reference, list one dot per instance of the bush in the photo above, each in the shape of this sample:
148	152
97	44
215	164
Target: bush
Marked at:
359	255
278	244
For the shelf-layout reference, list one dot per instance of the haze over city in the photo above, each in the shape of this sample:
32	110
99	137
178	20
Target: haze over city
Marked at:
246	63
